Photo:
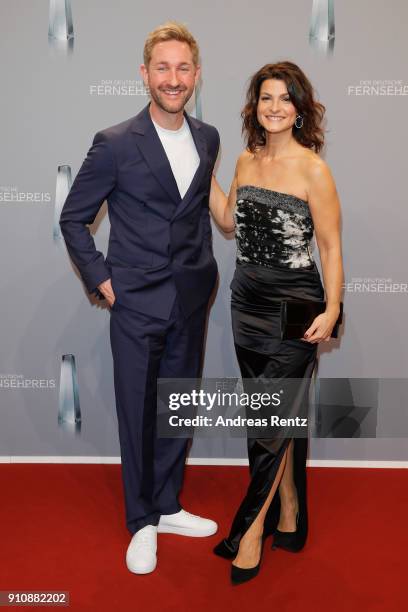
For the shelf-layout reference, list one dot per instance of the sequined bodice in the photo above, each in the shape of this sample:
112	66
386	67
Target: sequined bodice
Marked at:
272	228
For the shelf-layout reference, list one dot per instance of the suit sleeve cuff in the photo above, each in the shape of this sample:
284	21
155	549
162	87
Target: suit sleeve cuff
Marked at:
94	274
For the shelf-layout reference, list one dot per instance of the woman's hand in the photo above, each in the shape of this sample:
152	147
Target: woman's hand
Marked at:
321	327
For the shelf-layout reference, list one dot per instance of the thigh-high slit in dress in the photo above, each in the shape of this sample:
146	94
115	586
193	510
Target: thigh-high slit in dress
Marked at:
274	263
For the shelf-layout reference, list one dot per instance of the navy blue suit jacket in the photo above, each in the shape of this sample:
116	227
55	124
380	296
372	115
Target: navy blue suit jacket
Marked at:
160	244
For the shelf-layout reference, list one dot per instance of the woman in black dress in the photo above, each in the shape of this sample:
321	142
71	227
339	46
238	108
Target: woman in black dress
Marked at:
282	193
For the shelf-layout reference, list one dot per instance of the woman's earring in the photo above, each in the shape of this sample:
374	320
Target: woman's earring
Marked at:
296	121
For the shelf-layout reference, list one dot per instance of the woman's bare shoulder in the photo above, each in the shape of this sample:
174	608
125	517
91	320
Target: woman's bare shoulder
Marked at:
314	166
313	162
319	178
244	158
243	161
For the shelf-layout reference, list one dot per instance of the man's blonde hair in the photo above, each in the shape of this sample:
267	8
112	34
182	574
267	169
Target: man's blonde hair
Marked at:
171	30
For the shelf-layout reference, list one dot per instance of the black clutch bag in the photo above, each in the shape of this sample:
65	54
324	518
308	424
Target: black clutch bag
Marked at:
297	316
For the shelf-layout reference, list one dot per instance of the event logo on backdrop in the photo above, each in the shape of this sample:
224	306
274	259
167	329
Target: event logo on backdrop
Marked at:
60	26
118	87
378	87
374	285
322	32
19	381
69	410
11	193
64	182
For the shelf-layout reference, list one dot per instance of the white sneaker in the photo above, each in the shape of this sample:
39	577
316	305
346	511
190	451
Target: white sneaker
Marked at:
186	524
141	553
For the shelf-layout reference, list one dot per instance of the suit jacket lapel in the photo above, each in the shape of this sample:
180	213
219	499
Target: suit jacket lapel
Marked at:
201	146
152	150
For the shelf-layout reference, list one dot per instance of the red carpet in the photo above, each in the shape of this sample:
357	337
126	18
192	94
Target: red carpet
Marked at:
62	528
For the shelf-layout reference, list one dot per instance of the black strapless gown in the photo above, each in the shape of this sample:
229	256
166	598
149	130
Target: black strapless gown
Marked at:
274	262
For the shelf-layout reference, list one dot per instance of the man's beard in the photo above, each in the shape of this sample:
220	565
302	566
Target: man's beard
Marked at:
162	103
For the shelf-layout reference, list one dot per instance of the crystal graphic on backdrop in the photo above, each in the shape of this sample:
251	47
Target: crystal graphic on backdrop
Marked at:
194	105
64	182
346	408
60	26
69	412
322	33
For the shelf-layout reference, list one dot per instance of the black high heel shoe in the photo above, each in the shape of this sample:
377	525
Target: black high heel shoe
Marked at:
224	550
292	541
240	574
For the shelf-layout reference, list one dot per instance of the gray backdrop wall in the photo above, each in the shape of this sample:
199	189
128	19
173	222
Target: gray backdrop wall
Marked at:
56	95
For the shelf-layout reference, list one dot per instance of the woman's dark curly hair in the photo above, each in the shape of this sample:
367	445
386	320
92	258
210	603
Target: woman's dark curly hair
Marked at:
300	91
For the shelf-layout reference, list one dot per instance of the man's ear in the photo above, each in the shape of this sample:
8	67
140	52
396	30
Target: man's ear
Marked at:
198	74
144	73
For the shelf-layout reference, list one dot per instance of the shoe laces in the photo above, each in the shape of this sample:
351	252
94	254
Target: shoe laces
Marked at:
189	514
146	536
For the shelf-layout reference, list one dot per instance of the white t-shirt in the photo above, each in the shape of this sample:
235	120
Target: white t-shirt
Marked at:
181	153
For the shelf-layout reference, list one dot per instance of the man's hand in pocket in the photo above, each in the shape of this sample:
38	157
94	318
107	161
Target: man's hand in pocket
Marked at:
106	289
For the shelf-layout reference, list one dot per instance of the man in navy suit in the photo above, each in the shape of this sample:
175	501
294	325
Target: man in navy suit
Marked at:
155	172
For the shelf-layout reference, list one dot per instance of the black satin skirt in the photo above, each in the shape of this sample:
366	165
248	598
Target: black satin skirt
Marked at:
257	293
